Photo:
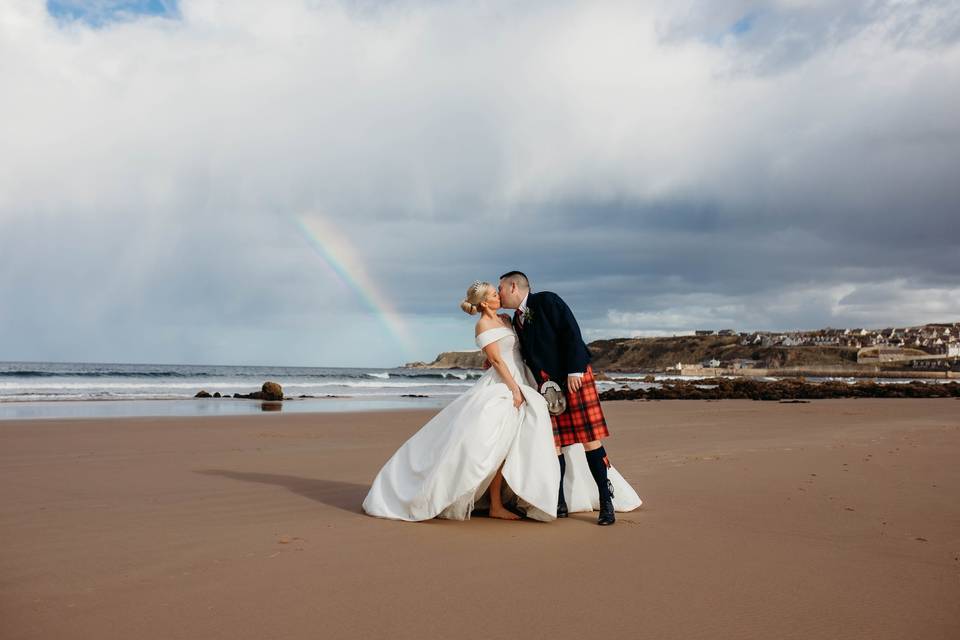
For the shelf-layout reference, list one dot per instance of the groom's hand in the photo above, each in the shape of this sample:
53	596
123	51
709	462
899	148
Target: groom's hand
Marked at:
486	365
574	382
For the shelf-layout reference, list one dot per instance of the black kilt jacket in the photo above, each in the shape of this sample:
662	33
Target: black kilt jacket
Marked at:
550	339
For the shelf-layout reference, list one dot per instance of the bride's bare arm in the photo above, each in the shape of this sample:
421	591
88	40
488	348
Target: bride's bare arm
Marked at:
492	351
507	322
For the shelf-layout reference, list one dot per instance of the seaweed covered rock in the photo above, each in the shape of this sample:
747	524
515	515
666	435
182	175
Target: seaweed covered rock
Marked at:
786	389
272	391
269	391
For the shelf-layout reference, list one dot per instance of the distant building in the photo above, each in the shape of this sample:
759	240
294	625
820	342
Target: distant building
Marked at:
937	365
887	344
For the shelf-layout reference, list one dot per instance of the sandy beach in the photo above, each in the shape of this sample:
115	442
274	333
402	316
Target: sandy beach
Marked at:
830	519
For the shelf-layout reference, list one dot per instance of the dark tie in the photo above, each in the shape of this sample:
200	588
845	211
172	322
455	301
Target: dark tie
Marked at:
518	318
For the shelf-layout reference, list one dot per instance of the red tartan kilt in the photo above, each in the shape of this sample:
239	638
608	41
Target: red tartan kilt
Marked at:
583	420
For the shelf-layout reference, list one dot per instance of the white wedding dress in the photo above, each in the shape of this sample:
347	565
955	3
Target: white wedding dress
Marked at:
445	469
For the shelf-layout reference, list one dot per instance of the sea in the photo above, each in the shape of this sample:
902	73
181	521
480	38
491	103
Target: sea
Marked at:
79	390
87	389
34	381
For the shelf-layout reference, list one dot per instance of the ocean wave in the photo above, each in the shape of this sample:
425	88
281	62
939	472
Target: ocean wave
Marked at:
120	385
29	381
245	375
232	385
33	373
443	375
55	396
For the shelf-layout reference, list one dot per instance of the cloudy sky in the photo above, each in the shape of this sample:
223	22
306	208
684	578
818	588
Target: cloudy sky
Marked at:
316	182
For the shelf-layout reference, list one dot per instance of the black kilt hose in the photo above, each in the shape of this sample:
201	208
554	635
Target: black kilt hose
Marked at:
552	347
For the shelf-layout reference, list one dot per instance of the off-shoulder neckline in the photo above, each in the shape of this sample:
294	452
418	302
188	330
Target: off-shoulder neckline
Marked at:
494	329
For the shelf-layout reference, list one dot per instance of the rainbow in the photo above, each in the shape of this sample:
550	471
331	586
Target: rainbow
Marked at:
344	260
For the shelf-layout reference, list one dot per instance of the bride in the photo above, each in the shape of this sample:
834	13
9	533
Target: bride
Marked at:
490	447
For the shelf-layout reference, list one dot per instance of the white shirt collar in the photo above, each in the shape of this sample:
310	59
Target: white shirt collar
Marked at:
523	305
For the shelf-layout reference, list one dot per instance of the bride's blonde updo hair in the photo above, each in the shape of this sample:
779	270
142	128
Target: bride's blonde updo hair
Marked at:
476	294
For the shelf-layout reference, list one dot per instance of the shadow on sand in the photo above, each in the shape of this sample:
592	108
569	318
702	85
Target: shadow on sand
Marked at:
342	495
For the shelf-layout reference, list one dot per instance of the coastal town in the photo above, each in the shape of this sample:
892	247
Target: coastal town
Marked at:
934	339
922	346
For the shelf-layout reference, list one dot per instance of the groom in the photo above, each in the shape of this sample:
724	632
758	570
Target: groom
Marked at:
552	347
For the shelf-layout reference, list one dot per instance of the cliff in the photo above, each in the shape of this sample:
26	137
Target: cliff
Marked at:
656	354
452	360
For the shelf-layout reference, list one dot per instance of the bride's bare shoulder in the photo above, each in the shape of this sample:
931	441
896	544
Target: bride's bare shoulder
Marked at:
483	324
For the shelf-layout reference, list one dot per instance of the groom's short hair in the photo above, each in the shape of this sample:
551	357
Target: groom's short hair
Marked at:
517	277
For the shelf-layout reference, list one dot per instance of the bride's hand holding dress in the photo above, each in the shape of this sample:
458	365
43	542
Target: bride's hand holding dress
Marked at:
492	352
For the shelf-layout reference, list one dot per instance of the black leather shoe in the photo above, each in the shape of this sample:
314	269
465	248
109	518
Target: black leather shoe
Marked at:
562	508
607	514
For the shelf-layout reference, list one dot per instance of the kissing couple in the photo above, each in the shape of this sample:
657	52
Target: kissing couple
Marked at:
499	446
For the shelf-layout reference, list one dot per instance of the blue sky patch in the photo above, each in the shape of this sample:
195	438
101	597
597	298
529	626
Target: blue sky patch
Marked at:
98	13
744	24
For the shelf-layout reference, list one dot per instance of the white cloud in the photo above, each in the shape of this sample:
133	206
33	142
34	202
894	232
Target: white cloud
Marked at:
421	107
154	165
896	302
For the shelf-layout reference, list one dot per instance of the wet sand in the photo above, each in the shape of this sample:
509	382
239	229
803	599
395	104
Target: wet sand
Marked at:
832	519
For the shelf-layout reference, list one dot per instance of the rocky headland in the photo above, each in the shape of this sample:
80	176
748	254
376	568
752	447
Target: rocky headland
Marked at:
452	360
664	354
660	354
